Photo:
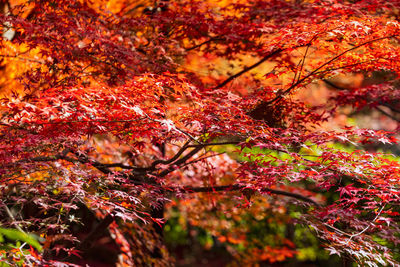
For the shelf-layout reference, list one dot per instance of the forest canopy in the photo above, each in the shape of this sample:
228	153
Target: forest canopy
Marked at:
261	130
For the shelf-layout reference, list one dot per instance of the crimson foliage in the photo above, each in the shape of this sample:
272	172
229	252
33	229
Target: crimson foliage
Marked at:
116	112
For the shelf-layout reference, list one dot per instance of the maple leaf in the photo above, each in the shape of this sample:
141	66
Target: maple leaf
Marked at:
111	110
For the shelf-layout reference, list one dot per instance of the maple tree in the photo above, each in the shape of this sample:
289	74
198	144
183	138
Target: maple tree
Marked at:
112	110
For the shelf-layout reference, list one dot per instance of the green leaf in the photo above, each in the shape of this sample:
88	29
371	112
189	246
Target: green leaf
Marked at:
16	235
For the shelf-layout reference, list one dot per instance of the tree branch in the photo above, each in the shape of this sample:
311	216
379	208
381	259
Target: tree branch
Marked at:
333	85
368	226
246	69
12	218
177	155
229	188
104	168
387	114
203	43
288	90
393	109
56	157
217	144
202	158
181	160
96	232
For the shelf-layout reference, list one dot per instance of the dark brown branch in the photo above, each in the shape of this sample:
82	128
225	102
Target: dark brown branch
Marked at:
23	58
62	155
333	85
116	165
181	160
18	127
188	155
348	66
393	109
202	158
177	155
303	61
217	144
387	114
203	43
104	167
246	69
229	188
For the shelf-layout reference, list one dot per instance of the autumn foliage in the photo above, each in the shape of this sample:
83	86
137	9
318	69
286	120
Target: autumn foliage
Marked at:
232	113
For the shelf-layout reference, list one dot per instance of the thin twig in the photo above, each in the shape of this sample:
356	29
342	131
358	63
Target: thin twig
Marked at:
23	58
202	158
304	60
336	229
12	218
368	226
288	90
